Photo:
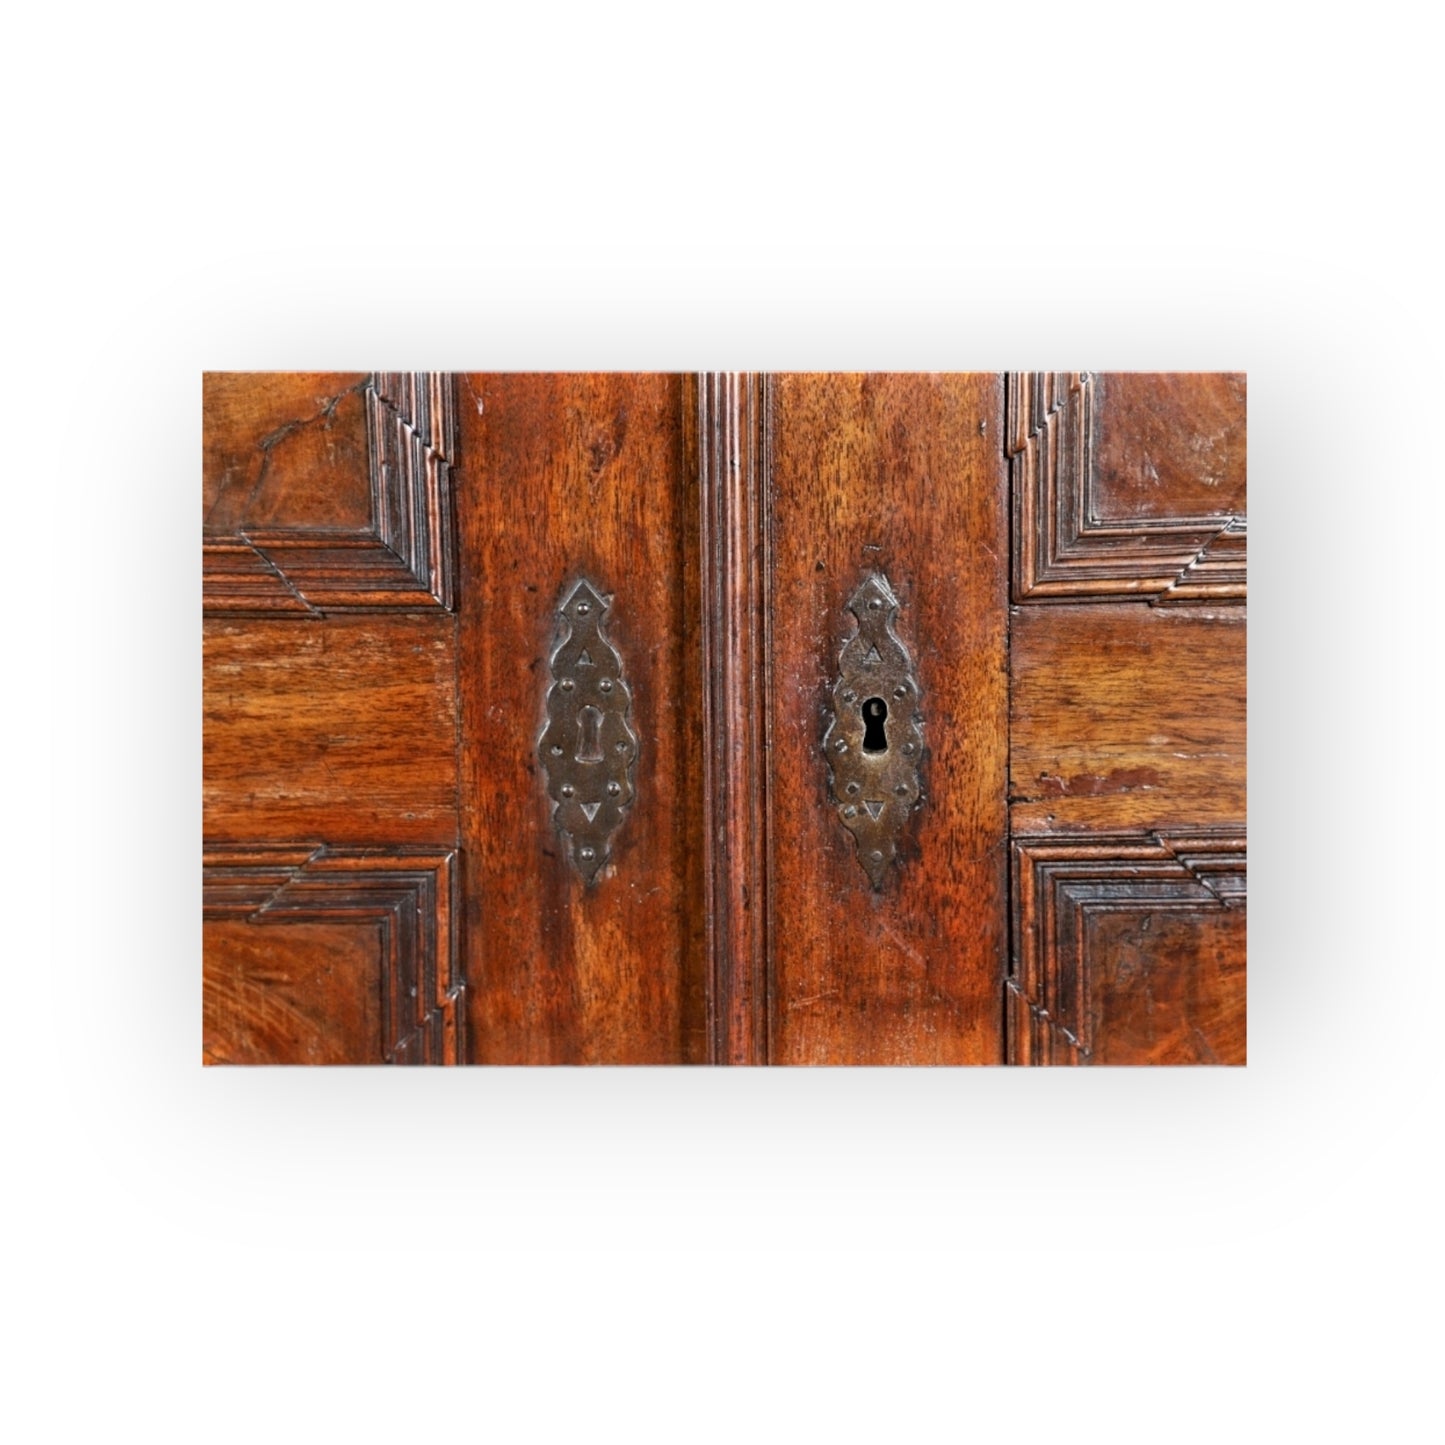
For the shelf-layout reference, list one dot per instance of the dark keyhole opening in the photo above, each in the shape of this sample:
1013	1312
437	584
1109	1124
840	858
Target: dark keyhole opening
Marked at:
875	713
589	744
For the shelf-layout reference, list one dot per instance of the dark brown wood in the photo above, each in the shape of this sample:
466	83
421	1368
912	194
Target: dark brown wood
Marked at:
331	957
385	876
1127	717
902	474
327	492
1129	950
343	731
330	769
561	477
1128	486
1127	721
732	434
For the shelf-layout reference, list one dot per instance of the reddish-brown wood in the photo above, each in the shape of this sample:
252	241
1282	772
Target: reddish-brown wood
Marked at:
284	450
327	492
331	957
902	474
1127	716
330	770
339	731
562	477
1127	720
736	622
385	560
1129	950
1128	486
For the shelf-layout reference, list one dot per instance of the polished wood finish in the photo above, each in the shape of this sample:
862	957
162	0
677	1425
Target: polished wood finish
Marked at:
1128	486
327	492
1129	950
284	450
385	559
343	731
1126	717
902	474
1127	783
561	477
733	463
330	741
331	957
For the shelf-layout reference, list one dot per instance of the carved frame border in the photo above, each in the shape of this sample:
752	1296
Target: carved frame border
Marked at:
405	561
1059	879
411	896
1060	553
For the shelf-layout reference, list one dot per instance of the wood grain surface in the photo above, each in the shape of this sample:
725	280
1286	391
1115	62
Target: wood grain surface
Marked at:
284	449
1129	949
1128	485
562	477
1126	716
902	474
342	730
1168	446
386	555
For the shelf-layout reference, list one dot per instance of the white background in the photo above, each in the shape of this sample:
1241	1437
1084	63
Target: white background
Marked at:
669	1255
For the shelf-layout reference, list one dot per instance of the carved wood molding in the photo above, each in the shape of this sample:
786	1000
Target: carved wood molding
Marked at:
1058	881
409	895
403	561
733	466
1064	549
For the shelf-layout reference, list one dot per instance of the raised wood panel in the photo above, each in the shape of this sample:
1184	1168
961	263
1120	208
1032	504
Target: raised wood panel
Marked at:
1128	486
327	492
330	956
1126	717
344	730
562	477
902	474
1129	949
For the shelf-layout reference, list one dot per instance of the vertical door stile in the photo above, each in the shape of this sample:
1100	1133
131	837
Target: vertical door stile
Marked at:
732	416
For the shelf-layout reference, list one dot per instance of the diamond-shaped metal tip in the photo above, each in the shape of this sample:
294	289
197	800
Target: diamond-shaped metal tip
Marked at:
874	596
875	863
589	858
583	596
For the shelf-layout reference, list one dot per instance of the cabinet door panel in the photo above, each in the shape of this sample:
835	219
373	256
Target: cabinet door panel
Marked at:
564	478
899	475
1127	719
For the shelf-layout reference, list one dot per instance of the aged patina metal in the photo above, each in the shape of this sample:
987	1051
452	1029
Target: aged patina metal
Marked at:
587	748
874	741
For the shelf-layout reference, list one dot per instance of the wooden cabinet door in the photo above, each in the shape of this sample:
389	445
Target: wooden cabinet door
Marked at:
734	718
1127	719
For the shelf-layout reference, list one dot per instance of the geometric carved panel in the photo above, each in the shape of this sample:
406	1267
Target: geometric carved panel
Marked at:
1128	486
332	955
350	527
1128	949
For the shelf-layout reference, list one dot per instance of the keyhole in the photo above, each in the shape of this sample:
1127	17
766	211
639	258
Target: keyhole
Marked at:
589	746
875	714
